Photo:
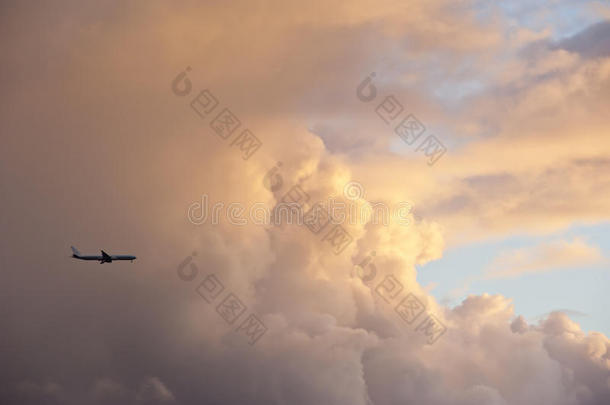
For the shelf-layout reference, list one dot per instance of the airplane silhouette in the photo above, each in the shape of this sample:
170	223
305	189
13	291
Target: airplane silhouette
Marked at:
104	258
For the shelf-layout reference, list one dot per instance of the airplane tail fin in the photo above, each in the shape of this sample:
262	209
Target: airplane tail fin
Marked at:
75	251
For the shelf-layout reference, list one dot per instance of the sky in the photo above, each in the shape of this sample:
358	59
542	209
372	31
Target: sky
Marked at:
481	125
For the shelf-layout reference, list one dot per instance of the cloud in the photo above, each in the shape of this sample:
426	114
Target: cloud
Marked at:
152	390
47	392
545	257
593	42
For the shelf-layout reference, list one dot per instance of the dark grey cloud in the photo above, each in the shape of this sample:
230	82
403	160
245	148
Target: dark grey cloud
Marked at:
592	42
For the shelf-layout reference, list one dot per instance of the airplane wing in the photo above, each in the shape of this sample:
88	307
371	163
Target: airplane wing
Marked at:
105	256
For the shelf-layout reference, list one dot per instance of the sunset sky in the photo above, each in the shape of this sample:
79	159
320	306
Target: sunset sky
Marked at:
122	121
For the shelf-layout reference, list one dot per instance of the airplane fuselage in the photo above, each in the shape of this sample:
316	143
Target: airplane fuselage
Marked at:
104	258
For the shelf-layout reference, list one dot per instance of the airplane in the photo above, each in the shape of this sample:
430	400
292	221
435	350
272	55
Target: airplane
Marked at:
104	258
